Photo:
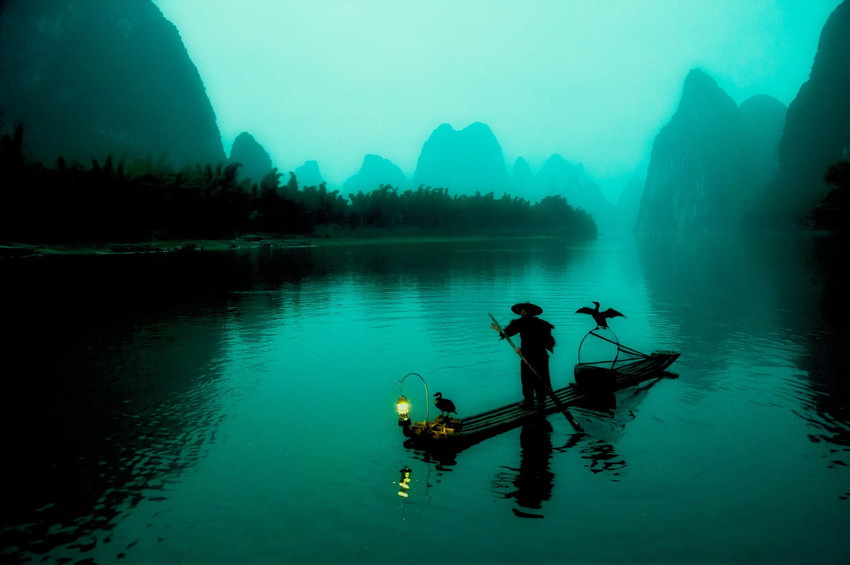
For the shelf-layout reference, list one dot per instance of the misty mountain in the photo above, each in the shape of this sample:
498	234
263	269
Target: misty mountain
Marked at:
308	174
700	176
463	161
560	177
374	172
102	77
817	126
255	160
764	117
521	176
628	204
471	160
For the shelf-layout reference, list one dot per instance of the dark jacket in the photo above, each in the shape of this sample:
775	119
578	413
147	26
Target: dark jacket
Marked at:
535	335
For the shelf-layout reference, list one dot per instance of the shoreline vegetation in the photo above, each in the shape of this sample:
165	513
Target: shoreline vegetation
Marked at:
140	204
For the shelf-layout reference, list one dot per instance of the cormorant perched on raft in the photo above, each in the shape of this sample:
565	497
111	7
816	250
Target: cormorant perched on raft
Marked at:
601	318
444	404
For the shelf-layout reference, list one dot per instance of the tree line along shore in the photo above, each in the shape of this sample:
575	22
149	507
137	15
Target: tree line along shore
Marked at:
143	200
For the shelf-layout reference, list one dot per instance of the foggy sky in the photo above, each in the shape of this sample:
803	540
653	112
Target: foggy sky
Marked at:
593	81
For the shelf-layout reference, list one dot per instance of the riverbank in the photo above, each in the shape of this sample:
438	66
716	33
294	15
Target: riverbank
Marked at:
13	250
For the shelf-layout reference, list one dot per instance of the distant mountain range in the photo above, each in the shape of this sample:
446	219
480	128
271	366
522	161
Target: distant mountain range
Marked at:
471	160
97	78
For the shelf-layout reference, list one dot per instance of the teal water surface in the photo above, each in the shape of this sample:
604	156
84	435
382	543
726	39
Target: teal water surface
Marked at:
238	407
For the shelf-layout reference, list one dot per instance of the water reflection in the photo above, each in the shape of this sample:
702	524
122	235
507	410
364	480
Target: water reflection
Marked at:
441	457
827	352
776	305
121	375
112	388
404	482
531	484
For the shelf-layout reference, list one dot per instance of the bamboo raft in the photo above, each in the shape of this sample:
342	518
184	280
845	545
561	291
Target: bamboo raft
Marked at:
592	382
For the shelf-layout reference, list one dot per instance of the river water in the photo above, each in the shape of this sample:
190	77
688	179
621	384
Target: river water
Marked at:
238	407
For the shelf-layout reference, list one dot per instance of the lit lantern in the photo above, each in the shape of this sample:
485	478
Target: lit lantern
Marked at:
402	406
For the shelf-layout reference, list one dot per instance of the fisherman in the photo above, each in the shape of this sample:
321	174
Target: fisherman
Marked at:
536	342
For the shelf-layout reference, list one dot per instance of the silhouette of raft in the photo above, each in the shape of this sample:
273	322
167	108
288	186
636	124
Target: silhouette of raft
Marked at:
594	380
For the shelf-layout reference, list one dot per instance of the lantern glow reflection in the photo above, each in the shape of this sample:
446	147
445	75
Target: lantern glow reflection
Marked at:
404	482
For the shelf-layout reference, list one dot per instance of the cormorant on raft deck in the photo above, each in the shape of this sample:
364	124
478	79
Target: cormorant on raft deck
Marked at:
593	379
445	405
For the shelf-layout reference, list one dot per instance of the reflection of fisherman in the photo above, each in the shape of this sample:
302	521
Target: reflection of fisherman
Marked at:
536	339
534	480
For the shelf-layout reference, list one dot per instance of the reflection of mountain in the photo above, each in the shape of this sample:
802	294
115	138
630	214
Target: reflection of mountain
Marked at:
722	288
762	302
110	384
826	355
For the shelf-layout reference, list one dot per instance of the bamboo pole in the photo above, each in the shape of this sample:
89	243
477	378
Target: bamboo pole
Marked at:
573	422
